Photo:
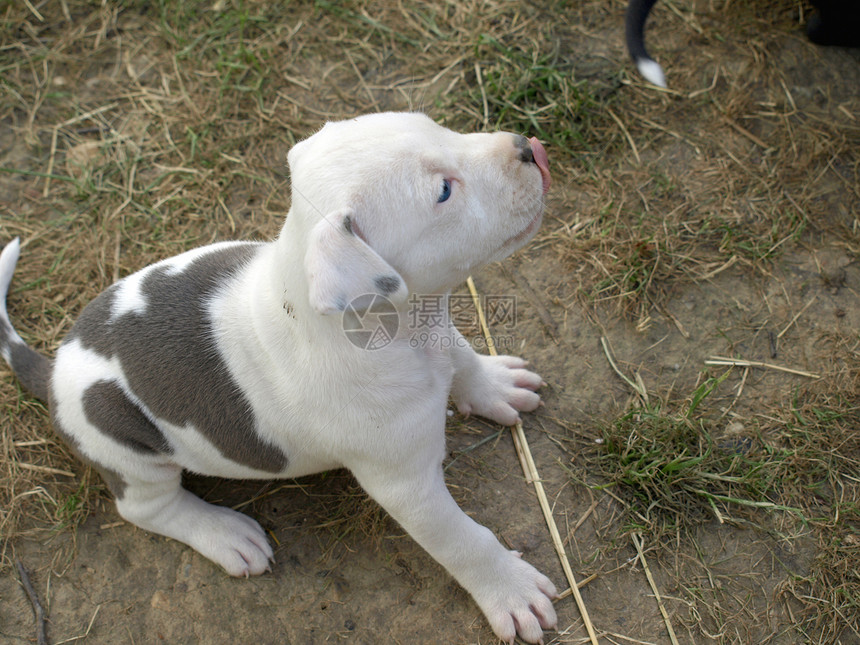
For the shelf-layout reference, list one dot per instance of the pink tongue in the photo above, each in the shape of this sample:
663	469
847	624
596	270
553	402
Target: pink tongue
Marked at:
542	162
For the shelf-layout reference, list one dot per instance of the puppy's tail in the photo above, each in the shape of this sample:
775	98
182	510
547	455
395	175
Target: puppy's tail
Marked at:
31	368
634	31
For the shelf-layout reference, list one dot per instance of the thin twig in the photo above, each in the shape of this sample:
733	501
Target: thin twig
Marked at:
743	131
264	495
794	320
737	362
45	469
671	317
34	11
530	470
584	517
86	115
582	583
720	268
713	84
637	387
483	94
86	633
626	135
637	542
41	639
629	639
50	172
737	395
116	254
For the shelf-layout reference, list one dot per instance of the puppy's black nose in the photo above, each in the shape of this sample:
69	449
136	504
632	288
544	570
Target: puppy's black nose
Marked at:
522	144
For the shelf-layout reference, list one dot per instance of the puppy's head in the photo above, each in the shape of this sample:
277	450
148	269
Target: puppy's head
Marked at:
394	203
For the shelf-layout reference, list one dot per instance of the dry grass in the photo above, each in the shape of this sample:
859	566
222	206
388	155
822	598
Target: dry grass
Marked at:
726	170
128	134
132	134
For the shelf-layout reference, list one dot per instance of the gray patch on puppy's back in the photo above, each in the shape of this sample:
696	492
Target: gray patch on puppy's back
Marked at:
170	359
109	409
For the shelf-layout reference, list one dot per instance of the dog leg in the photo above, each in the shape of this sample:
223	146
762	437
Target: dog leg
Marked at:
495	387
515	597
226	537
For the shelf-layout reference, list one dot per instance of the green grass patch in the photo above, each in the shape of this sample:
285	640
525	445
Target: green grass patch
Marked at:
73	508
520	88
677	464
672	469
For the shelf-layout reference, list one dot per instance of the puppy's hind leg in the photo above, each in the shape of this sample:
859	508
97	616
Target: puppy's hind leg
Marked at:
107	428
223	535
96	414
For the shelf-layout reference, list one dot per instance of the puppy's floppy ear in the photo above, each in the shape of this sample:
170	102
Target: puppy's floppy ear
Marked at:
341	266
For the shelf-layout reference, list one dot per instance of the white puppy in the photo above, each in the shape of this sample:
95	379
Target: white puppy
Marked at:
232	360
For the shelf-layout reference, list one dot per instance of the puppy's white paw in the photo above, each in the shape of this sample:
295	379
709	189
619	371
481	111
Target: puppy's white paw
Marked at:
517	600
498	389
225	536
236	542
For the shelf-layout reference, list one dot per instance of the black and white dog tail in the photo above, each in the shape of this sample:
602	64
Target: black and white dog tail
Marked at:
31	368
634	31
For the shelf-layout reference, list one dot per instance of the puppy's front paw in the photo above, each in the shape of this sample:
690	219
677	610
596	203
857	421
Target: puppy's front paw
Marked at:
518	601
499	389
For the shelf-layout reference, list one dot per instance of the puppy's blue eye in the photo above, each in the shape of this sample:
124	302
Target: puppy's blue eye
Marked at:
446	191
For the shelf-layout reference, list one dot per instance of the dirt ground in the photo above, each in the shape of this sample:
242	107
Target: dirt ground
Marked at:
718	218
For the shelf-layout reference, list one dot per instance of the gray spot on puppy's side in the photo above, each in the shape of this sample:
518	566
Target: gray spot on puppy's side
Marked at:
169	356
110	410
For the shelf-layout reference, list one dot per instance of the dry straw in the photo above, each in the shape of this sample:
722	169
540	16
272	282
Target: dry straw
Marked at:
637	541
530	470
738	362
